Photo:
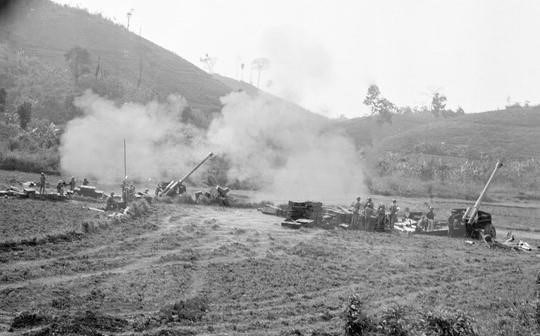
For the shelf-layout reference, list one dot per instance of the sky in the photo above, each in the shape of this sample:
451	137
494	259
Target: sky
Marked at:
323	55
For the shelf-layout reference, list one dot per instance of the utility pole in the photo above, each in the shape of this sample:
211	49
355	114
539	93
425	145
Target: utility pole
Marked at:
129	14
259	64
125	165
209	62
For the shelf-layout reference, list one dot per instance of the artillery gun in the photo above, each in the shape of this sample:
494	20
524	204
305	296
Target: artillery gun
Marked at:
177	186
472	222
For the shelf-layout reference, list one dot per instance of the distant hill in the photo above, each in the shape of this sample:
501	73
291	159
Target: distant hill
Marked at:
511	133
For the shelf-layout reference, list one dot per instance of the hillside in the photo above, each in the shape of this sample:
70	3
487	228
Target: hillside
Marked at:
301	112
419	155
47	31
510	134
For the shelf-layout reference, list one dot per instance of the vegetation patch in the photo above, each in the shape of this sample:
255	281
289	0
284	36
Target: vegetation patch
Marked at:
405	321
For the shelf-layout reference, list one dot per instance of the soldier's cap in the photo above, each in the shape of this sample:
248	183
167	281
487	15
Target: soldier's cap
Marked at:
394	201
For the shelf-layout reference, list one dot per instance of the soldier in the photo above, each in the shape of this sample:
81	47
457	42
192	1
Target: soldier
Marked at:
355	219
393	213
369	204
111	203
72	183
42	181
369	218
430	216
85	182
60	187
381	214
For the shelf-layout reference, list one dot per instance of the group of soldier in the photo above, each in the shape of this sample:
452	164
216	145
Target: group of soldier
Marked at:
60	185
366	217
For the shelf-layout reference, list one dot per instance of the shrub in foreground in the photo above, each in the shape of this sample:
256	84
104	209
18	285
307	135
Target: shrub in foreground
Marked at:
405	321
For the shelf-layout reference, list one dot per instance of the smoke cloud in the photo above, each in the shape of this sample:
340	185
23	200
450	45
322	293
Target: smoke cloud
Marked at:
286	151
279	148
158	144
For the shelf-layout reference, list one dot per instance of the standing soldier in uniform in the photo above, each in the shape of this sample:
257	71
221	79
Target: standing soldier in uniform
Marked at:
355	219
42	182
72	183
369	204
393	214
381	216
430	219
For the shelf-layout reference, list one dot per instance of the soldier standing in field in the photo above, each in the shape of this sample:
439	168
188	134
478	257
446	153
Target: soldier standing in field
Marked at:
369	204
430	219
355	219
42	181
72	183
393	213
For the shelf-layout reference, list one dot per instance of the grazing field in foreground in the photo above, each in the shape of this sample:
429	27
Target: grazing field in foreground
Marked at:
188	269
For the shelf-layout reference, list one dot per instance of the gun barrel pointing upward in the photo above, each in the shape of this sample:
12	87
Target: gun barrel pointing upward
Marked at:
483	193
196	167
173	183
470	214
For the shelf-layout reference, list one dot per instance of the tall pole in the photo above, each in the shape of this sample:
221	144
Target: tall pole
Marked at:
125	165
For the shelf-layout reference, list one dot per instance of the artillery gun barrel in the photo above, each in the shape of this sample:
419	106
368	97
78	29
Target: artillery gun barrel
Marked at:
174	183
471	212
196	167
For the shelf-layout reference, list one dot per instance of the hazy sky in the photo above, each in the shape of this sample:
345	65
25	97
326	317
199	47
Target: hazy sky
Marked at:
324	54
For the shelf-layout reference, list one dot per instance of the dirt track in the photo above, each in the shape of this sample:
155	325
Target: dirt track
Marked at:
258	277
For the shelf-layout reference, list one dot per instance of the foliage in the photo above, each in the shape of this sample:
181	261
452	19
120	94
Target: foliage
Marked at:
78	60
405	321
45	161
357	323
24	111
379	105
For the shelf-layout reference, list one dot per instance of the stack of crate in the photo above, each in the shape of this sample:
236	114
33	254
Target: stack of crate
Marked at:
306	210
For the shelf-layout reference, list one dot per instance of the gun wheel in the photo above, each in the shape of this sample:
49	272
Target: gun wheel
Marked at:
490	230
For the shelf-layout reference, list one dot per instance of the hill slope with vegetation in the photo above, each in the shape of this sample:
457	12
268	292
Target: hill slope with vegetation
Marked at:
420	155
119	63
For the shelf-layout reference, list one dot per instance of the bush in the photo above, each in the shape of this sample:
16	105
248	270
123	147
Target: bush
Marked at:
46	161
404	321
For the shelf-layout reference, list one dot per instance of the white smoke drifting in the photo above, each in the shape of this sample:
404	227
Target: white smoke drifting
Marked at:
156	139
267	143
272	142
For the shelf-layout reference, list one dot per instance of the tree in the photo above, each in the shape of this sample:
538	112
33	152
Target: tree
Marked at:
460	111
24	111
79	62
438	104
379	105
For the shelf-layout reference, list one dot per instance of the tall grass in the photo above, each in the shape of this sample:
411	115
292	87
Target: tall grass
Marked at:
45	161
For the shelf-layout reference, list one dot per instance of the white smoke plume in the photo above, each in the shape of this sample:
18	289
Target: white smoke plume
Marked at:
158	143
267	143
282	147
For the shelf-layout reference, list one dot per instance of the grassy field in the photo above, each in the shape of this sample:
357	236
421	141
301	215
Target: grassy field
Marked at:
188	269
